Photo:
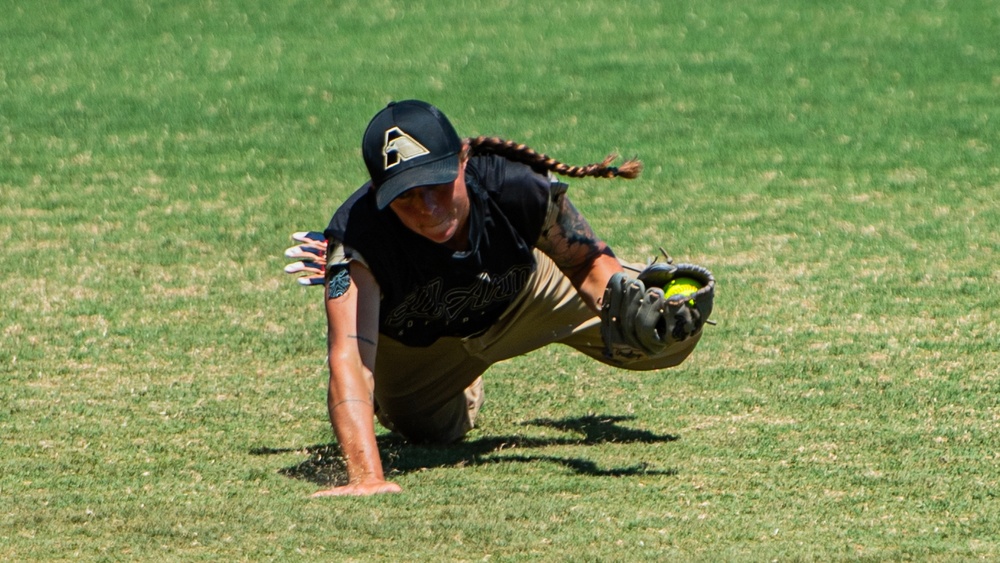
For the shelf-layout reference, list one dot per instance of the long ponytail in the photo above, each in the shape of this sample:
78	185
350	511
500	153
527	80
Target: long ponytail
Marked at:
524	154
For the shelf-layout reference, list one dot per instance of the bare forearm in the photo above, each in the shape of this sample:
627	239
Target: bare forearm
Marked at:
353	423
590	285
352	417
352	339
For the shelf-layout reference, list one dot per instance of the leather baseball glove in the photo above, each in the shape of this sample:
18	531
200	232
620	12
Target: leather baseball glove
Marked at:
666	303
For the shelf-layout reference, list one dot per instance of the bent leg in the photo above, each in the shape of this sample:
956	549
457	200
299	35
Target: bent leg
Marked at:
434	393
584	340
430	394
449	423
555	313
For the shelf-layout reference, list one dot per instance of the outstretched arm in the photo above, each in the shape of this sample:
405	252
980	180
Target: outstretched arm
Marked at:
352	328
585	259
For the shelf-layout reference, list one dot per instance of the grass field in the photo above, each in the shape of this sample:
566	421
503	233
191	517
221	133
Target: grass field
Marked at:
835	164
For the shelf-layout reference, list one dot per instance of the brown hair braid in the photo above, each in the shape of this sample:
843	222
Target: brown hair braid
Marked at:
524	154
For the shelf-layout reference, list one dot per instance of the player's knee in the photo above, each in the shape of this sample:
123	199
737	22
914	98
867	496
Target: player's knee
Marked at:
443	425
427	429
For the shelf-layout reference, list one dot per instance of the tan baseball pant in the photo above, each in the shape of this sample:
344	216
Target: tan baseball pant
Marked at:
433	394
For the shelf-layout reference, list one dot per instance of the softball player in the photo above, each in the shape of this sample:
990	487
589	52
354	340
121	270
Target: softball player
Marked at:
454	256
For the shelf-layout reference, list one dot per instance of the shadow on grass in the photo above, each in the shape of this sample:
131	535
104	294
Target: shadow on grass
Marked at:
325	467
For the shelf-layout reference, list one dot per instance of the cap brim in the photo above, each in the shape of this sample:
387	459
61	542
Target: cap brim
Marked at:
440	171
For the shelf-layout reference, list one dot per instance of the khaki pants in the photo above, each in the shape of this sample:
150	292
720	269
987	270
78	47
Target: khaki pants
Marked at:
434	393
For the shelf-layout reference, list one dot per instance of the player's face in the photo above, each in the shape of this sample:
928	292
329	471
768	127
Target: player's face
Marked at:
439	213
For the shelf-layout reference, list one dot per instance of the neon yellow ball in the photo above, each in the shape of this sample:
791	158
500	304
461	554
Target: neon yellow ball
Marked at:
681	286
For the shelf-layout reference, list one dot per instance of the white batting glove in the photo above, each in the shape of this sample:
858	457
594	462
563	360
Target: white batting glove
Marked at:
310	256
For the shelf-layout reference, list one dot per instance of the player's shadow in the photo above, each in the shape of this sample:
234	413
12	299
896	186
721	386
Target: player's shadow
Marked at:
325	466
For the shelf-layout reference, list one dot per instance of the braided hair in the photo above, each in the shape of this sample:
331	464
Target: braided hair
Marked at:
542	163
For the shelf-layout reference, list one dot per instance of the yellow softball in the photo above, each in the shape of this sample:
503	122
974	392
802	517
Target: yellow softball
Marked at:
681	286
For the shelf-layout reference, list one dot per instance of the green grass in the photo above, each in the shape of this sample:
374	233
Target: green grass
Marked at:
835	165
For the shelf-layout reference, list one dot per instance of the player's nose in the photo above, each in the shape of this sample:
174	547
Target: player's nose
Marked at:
430	201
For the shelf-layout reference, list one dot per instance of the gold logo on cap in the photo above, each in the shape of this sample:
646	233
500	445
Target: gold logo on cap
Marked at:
400	147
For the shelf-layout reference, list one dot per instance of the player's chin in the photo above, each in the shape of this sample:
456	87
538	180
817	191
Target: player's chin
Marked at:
440	233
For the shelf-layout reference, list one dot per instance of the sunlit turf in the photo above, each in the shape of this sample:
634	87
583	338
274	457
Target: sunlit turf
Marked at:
834	164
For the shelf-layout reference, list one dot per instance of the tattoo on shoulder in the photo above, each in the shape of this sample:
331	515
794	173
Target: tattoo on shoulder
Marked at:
339	277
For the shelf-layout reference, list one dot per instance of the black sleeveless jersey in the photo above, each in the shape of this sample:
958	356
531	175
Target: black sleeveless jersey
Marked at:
430	291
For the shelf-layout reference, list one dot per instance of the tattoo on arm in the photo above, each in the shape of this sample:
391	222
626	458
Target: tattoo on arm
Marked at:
360	338
571	242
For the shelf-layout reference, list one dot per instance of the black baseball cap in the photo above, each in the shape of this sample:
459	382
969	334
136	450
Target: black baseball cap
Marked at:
407	145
